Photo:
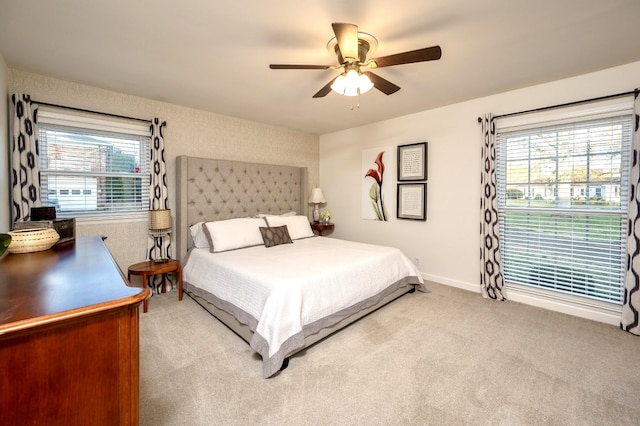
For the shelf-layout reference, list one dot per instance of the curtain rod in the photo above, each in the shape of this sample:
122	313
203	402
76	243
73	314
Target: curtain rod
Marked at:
90	111
584	101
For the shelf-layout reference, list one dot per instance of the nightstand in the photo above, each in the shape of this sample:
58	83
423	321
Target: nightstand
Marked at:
321	227
150	268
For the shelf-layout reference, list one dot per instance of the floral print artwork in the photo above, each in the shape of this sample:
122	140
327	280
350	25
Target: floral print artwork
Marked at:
375	192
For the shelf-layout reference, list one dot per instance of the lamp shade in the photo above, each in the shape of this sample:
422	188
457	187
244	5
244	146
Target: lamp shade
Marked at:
159	220
352	83
317	196
364	83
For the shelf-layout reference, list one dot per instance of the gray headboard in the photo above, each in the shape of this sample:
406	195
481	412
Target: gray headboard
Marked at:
211	189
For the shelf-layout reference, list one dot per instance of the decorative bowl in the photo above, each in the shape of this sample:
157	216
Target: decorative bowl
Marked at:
32	240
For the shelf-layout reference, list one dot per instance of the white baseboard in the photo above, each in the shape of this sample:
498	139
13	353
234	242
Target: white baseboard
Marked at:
606	313
452	283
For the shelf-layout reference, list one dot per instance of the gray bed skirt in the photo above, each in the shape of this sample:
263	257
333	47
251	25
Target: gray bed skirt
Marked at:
244	325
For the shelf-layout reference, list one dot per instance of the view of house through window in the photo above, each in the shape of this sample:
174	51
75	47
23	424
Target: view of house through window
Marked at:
89	169
562	197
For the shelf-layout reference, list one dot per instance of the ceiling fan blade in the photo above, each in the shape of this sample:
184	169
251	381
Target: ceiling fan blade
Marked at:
325	90
347	37
299	67
420	55
383	85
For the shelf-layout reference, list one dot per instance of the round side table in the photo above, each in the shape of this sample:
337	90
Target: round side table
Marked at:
149	268
322	227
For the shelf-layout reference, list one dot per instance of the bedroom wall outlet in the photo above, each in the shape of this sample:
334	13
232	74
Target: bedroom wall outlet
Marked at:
416	260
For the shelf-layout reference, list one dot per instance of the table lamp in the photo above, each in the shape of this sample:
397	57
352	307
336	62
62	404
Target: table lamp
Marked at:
159	226
316	198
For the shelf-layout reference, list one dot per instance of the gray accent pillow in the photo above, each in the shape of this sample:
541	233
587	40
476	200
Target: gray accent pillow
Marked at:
275	235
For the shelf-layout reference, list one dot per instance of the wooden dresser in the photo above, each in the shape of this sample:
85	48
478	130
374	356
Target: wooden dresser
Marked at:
69	338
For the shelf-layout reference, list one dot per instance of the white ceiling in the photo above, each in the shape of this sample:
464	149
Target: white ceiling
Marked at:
214	55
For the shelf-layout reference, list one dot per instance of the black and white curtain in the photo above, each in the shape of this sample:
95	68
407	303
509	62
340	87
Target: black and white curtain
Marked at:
491	276
631	302
25	158
159	247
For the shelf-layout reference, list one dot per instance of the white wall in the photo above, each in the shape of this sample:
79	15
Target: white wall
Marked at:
188	132
448	242
5	218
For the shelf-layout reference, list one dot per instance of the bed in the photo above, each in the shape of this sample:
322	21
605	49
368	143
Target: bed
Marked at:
251	259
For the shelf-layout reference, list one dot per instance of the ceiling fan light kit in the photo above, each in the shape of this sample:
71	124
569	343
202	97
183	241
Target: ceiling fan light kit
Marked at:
351	48
351	83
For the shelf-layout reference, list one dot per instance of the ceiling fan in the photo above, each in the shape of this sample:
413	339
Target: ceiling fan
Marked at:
351	48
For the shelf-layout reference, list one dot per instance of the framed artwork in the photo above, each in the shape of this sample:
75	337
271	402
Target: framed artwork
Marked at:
412	162
412	201
377	183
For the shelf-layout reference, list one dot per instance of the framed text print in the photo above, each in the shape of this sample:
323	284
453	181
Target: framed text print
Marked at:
412	162
412	201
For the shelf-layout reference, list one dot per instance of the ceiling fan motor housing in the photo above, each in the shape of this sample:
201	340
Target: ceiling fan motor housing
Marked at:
363	49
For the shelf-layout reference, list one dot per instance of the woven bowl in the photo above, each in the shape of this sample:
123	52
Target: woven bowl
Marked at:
31	240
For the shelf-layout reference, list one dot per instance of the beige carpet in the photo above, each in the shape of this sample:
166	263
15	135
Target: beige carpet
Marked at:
446	357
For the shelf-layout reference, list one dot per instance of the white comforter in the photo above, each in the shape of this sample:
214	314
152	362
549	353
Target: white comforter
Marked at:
288	291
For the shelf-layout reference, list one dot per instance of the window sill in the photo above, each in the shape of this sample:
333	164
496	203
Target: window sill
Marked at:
592	309
110	218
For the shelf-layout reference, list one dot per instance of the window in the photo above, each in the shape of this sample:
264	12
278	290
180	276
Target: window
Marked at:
93	167
562	201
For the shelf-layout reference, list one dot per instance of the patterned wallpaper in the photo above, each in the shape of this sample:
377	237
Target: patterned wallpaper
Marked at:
188	132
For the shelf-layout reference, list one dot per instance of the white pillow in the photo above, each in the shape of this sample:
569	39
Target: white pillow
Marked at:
282	214
298	226
198	235
233	234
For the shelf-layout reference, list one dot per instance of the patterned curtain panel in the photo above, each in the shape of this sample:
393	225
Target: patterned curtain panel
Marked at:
159	247
25	158
491	276
631	303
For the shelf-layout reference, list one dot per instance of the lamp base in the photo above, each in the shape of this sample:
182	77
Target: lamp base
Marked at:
160	260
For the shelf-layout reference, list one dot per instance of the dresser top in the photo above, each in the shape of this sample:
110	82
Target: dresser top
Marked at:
72	279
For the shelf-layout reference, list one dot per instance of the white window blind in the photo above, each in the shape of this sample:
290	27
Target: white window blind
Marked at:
562	203
93	167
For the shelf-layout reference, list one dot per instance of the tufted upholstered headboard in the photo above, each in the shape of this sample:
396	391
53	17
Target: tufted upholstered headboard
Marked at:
211	189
